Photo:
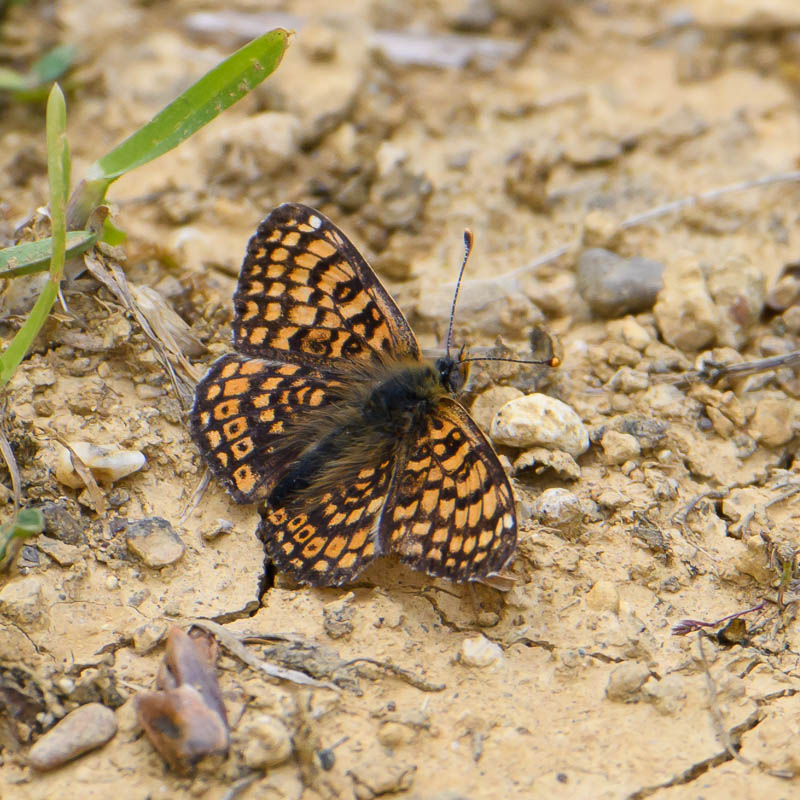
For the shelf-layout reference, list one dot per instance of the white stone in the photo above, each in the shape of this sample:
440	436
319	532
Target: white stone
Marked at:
478	651
107	464
537	419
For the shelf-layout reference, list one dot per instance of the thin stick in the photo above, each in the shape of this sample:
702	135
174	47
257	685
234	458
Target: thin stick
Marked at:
712	194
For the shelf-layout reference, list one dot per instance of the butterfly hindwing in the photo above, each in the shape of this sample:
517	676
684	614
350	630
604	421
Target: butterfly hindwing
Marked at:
305	293
450	511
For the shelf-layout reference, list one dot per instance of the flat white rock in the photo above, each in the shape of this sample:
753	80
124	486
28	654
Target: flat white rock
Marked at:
539	420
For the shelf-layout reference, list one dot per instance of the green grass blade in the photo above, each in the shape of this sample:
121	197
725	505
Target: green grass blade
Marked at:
28	522
53	64
12	80
58	175
199	104
30	257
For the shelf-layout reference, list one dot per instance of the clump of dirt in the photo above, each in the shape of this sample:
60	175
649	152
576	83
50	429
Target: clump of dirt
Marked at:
628	173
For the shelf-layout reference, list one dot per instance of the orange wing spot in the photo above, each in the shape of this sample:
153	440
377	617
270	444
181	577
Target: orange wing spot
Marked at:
251	367
260	253
335	547
276	271
478	557
286	333
256	287
439	449
213	391
291	239
305	533
469	545
228	370
306	260
446	507
317	396
450	563
303	228
223	459
434	554
320	566
357	540
485	539
288	369
405	512
455	543
355	515
267	415
439	535
273	237
489	504
347	560
226	409
474	514
205	418
421	529
214	439
271	384
301	294
250	310
304	316
273	311
276	427
245	479
234	429
257	335
369	549
277	289
243	447
374	505
280	254
236	387
313	547
321	248
430	500
337	519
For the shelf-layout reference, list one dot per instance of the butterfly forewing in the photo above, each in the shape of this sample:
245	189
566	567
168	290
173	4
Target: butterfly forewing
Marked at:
451	510
306	293
243	407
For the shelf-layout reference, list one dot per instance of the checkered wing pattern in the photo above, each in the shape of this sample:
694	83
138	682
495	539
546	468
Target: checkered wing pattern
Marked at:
330	541
305	291
450	511
241	412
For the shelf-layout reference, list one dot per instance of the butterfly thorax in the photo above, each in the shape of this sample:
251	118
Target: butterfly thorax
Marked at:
368	419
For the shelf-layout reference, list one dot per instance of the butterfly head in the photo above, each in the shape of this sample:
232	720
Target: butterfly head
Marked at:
452	373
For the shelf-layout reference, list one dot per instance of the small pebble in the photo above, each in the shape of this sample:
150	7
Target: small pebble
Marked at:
267	742
221	528
625	682
107	464
154	541
613	286
478	651
83	729
619	447
148	636
395	734
684	311
558	508
603	596
537	419
62	553
538	458
22	601
774	422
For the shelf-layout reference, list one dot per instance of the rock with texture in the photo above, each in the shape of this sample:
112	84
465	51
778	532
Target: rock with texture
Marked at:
83	729
540	420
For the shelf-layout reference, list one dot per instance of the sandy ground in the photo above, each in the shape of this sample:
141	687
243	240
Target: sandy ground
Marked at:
568	120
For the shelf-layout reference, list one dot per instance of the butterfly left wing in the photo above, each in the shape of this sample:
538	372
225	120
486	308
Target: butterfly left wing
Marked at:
450	511
306	294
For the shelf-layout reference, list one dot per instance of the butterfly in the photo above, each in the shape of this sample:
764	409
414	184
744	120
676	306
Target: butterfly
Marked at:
328	415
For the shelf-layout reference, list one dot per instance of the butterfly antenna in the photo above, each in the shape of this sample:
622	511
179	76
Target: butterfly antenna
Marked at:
468	241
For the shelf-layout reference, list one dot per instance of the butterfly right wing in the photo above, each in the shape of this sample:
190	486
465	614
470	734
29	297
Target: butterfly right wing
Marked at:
242	409
306	294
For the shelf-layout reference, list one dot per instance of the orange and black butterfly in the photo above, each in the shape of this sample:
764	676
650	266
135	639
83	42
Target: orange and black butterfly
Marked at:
328	414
